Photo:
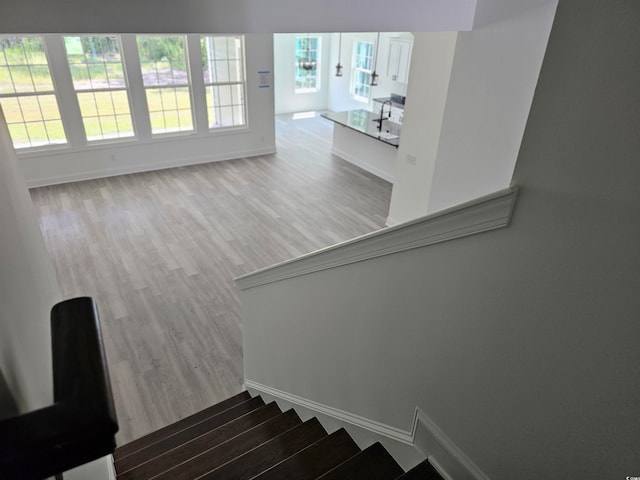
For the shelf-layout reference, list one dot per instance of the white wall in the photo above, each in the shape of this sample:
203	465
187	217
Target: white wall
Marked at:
471	150
235	16
520	344
81	161
430	73
493	79
286	99
101	469
28	289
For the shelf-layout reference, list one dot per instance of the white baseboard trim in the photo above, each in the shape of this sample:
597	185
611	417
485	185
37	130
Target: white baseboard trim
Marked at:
446	443
347	417
358	163
111	467
404	436
439	469
391	222
161	165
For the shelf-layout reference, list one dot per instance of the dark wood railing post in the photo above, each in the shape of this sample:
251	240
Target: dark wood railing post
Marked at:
81	424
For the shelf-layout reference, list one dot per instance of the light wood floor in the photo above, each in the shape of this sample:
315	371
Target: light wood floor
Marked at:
159	252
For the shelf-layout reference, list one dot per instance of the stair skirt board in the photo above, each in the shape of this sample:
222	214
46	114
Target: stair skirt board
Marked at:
465	467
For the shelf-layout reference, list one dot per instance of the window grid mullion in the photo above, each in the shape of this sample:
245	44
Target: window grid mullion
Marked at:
44	123
25	124
26	59
115	114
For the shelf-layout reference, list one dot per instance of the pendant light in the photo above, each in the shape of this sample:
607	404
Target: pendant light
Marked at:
374	75
339	66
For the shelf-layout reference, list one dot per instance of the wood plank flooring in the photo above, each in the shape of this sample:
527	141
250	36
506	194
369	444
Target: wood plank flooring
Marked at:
159	252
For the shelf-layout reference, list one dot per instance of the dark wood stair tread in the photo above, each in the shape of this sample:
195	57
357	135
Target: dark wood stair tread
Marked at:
242	438
203	443
422	471
233	448
186	435
186	422
314	460
271	453
373	463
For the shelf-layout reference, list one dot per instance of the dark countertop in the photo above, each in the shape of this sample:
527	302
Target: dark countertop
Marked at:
363	121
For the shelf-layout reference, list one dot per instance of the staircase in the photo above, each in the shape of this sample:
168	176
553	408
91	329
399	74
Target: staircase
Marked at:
242	438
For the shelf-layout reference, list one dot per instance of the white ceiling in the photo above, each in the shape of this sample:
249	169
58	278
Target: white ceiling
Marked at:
234	16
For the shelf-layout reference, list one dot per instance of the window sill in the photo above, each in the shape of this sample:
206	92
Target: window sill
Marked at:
131	142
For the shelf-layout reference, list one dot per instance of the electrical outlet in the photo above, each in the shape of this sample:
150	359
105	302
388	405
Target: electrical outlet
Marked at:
411	159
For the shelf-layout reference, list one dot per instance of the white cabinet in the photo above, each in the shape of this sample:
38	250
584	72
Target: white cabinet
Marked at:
399	60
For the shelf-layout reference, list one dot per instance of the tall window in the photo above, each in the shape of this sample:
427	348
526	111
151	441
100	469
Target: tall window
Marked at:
224	80
27	94
362	69
307	64
166	80
99	81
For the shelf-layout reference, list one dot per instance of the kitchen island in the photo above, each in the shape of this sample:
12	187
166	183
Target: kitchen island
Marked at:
357	139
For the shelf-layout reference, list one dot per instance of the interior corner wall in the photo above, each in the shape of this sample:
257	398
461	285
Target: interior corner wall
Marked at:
493	79
28	289
286	99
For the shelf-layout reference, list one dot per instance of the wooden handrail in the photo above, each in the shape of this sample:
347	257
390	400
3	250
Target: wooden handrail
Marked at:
81	424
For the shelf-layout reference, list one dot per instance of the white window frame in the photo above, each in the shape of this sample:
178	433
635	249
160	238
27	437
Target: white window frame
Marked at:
171	86
68	117
356	71
107	89
213	84
37	93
